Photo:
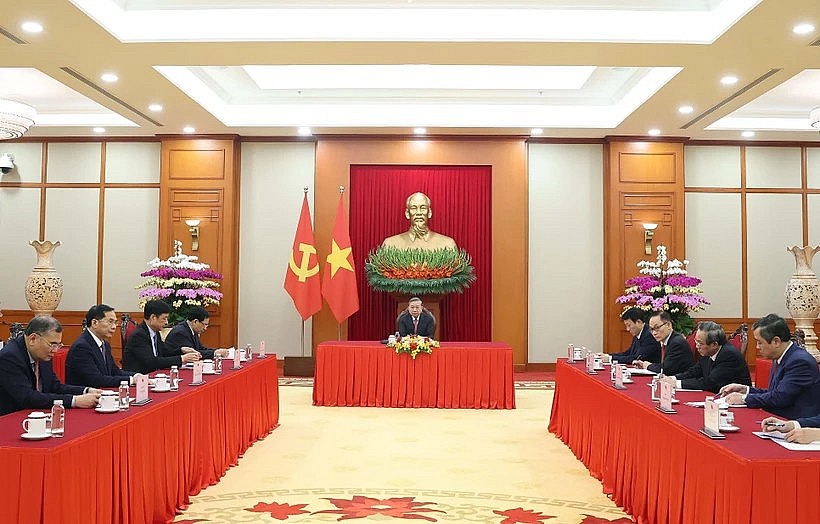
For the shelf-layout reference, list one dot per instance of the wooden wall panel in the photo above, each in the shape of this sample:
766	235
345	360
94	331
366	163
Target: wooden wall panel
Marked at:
200	180
643	182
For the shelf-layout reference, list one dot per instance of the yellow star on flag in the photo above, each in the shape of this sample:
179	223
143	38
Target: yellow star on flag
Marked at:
338	258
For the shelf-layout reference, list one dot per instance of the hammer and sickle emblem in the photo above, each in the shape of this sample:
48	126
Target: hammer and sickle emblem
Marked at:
303	271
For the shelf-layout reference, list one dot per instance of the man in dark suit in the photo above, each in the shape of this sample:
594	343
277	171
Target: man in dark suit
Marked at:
644	346
89	361
676	357
416	320
720	364
186	335
27	380
803	430
145	351
794	381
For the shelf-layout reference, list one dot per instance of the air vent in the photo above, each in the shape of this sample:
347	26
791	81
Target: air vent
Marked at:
11	36
111	96
750	85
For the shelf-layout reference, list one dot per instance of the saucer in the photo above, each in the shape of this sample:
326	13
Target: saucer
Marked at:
728	429
628	381
209	372
101	410
156	390
29	436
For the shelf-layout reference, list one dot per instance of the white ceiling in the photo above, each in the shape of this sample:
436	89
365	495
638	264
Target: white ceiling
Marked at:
574	68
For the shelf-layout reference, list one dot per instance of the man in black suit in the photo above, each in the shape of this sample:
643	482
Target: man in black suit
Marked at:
145	351
89	361
416	320
676	356
644	346
186	335
27	380
720	362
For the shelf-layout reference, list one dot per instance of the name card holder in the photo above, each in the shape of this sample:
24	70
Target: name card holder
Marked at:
590	362
236	359
619	376
665	405
141	398
711	420
197	379
262	353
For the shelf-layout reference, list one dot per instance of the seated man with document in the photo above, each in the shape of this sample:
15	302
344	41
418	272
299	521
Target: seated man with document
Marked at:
802	431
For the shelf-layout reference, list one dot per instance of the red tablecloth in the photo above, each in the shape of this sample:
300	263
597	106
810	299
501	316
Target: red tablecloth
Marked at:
456	375
140	465
661	470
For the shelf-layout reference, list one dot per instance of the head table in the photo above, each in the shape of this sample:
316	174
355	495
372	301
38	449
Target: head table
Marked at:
143	464
659	468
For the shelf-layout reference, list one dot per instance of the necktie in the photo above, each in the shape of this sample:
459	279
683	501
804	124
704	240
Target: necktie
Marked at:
416	325
37	375
102	352
154	343
663	352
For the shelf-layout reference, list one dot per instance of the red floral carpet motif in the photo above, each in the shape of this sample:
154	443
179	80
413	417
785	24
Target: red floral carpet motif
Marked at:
360	507
522	516
278	511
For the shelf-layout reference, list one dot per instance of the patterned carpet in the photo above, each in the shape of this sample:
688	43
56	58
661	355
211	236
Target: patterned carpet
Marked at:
519	384
328	464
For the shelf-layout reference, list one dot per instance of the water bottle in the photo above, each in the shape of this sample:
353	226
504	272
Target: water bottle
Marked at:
174	378
57	419
124	402
217	364
248	352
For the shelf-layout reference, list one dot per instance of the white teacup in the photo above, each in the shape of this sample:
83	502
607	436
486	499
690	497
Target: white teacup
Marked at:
161	382
242	354
391	339
207	366
35	424
109	401
727	418
579	353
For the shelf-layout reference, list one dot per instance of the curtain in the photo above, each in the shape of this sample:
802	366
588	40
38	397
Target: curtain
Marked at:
461	204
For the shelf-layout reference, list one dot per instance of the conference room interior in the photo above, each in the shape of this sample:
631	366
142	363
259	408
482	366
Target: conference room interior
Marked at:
566	201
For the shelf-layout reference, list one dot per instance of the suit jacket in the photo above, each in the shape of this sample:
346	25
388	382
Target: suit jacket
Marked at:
426	327
138	355
678	356
18	384
809	422
729	367
85	366
794	386
643	348
182	336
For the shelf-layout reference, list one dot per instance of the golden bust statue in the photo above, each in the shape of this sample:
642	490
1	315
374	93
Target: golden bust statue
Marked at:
419	236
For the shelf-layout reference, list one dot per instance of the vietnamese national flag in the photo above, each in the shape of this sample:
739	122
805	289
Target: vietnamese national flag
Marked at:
302	277
339	280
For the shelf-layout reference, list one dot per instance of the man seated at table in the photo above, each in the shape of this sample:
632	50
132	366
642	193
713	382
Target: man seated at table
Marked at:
27	380
416	320
802	431
794	381
145	351
89	361
186	335
644	346
676	357
720	364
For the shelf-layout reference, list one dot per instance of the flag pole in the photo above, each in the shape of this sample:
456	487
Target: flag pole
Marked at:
339	324
303	338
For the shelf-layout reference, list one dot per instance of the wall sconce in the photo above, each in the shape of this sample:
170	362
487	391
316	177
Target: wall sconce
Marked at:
193	227
6	163
648	233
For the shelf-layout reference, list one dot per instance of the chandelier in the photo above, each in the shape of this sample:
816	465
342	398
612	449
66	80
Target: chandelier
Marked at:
15	119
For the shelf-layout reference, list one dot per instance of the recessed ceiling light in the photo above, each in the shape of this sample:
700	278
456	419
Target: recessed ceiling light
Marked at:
685	109
654	131
155	107
420	131
109	77
304	131
188	129
31	27
99	130
536	131
747	134
728	80
802	29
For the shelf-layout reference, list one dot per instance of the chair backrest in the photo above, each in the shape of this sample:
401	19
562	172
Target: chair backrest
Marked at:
692	346
799	338
424	311
740	338
128	327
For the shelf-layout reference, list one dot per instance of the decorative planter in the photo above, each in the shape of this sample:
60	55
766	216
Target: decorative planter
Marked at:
803	295
44	286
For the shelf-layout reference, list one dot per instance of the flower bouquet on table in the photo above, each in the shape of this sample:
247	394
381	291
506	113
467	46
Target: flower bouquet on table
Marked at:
665	285
414	344
180	281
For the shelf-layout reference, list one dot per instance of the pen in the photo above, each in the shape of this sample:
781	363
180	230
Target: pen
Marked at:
775	425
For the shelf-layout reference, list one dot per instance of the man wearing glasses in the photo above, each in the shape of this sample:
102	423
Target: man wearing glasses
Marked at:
676	357
186	335
27	380
89	361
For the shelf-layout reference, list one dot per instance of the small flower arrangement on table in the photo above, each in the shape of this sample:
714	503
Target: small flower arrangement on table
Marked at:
414	344
180	281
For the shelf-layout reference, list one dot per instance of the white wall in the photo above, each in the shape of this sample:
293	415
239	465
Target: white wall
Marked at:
272	178
565	291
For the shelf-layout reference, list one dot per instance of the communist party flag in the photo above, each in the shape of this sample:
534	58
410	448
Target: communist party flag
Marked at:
339	280
302	277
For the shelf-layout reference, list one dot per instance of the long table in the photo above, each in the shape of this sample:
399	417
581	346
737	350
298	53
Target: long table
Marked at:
139	465
661	470
456	375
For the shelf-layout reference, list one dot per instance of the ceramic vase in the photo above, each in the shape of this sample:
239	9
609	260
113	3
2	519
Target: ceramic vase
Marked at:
44	286
803	295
